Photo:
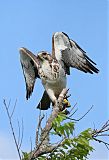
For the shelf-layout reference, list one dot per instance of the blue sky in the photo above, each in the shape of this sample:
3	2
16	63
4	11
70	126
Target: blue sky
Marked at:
31	24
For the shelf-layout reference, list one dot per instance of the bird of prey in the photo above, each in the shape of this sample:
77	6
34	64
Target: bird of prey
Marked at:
53	68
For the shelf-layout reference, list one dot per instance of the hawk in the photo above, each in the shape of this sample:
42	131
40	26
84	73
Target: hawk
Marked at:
53	68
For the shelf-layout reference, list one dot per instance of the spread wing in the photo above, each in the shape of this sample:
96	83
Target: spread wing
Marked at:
67	50
29	64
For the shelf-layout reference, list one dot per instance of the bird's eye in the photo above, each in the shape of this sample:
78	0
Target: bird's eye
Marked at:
44	53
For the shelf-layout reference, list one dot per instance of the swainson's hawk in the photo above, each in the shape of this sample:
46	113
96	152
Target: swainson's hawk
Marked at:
53	68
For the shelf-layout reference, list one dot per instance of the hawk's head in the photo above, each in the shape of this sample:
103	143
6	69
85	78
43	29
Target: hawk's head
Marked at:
44	56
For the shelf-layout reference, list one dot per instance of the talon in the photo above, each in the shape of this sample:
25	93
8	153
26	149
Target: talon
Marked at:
66	103
67	96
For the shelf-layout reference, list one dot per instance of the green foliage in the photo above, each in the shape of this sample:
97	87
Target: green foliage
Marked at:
64	129
74	148
71	147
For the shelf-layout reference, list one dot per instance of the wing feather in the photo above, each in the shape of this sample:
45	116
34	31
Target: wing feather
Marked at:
29	64
72	54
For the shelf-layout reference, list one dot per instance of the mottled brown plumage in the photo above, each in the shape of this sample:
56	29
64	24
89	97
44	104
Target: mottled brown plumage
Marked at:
52	69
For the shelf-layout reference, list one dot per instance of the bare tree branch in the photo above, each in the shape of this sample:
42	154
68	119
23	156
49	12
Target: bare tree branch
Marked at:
21	139
68	117
72	109
98	133
13	109
11	125
101	141
18	133
38	127
44	147
9	104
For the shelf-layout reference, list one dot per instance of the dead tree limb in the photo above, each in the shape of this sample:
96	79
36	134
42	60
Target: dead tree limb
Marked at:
69	117
100	133
11	125
38	128
44	146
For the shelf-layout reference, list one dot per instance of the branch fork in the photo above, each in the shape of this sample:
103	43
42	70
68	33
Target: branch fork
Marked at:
44	146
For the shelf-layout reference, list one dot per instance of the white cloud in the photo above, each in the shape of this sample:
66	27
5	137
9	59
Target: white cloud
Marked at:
7	148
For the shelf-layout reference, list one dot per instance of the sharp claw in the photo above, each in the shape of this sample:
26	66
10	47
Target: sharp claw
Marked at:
66	103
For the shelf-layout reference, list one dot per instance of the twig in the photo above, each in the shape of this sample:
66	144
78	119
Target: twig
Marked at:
85	113
103	129
38	127
12	129
73	108
73	113
103	135
107	146
9	104
96	133
80	117
21	135
56	146
37	130
18	132
13	109
100	141
105	125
